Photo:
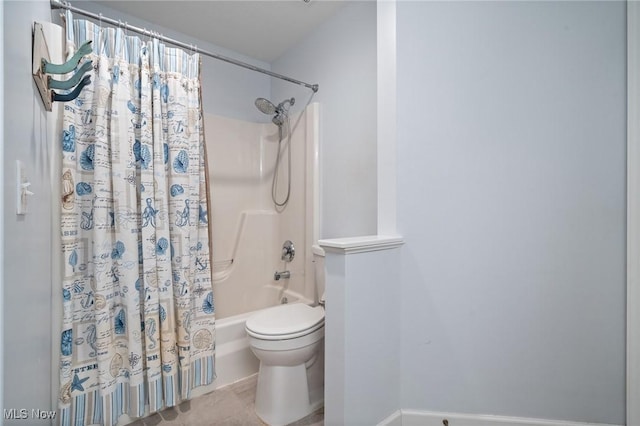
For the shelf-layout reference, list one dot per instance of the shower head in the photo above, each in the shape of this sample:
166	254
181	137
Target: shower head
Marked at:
265	106
280	112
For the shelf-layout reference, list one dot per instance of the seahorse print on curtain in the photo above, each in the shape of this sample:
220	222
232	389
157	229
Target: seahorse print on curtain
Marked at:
138	312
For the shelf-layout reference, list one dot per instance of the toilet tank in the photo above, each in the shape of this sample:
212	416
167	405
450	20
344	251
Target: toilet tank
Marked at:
318	273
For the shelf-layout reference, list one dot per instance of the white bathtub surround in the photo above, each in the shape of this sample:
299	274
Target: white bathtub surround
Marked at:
429	418
362	377
247	231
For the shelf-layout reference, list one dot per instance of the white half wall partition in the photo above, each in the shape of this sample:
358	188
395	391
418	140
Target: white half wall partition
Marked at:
362	329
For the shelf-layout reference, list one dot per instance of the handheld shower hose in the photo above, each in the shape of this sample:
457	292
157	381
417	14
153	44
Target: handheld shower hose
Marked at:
280	118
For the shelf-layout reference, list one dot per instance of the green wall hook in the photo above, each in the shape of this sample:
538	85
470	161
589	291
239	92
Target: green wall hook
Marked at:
56	97
68	84
68	66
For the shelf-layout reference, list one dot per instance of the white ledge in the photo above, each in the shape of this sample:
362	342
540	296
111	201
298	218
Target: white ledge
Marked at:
363	244
317	250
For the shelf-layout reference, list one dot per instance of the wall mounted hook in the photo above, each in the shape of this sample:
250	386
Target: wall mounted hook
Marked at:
68	84
49	68
41	67
56	97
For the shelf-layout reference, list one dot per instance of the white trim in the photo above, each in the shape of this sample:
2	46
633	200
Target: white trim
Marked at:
395	419
633	213
312	194
317	250
313	177
430	418
363	244
386	138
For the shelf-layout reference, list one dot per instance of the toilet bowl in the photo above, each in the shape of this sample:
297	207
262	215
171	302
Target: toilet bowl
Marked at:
289	342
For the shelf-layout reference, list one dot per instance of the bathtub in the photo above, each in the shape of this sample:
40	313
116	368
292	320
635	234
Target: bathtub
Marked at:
234	359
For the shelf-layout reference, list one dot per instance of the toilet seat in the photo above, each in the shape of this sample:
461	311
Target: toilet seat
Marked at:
285	321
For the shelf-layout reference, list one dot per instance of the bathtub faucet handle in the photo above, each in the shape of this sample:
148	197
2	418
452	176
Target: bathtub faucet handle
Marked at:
288	251
281	275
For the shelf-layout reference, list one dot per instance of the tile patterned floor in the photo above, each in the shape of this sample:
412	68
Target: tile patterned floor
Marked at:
231	405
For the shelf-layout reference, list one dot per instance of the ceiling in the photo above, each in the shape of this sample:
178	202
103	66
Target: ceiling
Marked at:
262	29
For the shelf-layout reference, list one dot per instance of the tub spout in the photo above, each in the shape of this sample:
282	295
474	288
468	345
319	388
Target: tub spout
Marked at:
281	275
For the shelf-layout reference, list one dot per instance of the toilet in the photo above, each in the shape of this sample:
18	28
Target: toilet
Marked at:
288	340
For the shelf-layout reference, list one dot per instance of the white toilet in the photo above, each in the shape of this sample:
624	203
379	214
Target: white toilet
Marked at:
288	340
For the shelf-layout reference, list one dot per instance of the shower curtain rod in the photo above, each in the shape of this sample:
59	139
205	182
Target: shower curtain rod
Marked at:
57	4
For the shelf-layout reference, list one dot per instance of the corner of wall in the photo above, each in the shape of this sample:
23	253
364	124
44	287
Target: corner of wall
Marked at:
386	46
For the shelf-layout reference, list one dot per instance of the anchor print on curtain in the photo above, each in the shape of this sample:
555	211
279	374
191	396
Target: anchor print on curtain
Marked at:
138	322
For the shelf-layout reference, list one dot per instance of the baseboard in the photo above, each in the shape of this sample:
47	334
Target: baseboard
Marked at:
394	419
406	417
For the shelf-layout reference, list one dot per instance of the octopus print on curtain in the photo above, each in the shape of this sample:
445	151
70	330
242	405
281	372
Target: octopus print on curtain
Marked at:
138	326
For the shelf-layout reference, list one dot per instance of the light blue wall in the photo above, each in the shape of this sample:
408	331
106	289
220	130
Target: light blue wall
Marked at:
341	57
511	198
26	307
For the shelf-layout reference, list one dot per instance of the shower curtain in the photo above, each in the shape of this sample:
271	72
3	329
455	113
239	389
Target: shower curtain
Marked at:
138	326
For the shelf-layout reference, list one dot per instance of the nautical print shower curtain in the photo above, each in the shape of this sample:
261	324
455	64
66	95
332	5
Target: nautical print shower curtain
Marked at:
138	326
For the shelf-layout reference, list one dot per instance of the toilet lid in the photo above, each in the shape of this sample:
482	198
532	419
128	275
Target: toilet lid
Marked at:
285	319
